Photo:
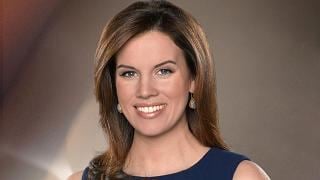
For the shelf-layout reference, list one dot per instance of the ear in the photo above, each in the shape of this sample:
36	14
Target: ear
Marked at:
192	86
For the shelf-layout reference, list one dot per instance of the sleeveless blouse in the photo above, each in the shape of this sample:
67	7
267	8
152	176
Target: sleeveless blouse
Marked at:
215	164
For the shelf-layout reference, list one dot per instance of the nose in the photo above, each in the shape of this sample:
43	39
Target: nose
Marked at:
146	88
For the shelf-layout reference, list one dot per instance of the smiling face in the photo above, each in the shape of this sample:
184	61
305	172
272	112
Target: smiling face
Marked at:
153	83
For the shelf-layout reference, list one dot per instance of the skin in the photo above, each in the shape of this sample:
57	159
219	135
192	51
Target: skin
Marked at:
152	70
76	176
247	170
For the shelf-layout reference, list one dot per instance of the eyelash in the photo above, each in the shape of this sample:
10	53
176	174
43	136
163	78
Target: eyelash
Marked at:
128	74
161	72
164	72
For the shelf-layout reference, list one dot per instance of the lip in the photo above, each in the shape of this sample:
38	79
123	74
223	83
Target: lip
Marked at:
149	115
148	104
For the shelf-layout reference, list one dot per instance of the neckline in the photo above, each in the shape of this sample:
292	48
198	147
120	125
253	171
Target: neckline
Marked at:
194	166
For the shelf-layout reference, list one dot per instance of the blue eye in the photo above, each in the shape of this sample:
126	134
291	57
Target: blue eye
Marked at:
128	74
164	72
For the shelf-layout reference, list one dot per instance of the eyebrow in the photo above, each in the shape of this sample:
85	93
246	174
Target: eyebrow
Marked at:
156	66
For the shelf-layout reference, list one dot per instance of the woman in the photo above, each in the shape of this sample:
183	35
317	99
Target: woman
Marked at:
156	90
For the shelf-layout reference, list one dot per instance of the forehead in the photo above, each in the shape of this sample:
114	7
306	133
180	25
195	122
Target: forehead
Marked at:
150	47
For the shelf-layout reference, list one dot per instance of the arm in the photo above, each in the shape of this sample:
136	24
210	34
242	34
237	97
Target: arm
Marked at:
76	176
248	170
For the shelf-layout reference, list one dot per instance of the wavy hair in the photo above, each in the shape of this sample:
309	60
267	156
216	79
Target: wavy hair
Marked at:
188	35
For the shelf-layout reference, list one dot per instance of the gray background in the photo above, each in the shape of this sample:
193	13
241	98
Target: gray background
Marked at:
268	67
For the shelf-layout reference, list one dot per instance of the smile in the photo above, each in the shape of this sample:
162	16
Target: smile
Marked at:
150	109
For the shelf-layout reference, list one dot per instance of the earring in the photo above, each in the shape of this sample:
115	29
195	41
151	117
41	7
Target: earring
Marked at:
119	108
192	102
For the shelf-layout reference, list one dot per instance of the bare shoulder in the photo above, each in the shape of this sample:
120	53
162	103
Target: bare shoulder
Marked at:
75	176
248	170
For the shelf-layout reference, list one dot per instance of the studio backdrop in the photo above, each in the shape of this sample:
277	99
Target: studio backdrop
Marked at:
267	56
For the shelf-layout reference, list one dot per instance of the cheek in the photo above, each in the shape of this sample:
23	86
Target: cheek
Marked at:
175	88
124	91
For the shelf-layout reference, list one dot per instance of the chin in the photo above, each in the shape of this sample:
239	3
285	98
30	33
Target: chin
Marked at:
151	132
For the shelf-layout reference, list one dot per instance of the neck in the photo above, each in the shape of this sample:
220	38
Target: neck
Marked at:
150	156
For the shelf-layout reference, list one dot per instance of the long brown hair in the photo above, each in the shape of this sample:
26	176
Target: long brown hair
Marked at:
188	35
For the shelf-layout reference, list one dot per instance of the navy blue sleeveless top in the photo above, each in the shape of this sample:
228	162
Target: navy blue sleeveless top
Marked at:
215	164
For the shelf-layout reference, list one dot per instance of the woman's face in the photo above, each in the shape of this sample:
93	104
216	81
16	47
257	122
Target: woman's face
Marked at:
153	83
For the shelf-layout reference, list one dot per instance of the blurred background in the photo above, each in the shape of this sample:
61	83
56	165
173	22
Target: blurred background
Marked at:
267	55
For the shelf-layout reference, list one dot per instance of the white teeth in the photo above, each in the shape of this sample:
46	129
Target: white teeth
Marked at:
150	109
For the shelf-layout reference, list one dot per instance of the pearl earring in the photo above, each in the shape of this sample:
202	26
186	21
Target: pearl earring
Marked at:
192	102
119	108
